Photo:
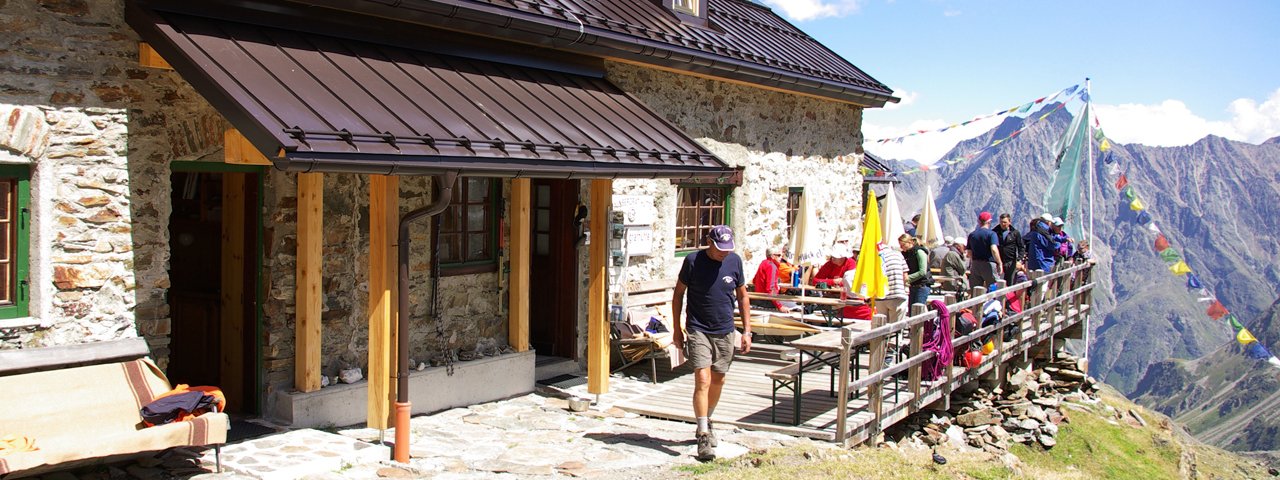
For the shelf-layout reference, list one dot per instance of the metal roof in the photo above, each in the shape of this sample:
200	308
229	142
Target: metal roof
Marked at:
320	103
743	41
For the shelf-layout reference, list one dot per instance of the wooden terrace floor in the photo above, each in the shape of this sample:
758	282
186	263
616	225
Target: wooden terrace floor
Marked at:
745	401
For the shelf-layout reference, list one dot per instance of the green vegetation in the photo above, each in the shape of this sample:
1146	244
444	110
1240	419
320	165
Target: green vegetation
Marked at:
1092	445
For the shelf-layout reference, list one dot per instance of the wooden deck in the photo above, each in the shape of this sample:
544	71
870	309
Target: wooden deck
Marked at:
745	401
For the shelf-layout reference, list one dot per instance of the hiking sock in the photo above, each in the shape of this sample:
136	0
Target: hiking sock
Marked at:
704	424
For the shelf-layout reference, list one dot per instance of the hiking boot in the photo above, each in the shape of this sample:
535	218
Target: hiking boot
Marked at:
711	430
706	452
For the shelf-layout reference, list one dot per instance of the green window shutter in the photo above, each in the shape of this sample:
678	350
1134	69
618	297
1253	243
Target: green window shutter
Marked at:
21	251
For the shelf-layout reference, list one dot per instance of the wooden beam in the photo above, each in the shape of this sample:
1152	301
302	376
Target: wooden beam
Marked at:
518	284
232	325
22	360
238	151
384	208
597	275
308	295
148	57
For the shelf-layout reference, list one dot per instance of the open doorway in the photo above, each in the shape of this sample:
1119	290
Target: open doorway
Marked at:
553	295
214	280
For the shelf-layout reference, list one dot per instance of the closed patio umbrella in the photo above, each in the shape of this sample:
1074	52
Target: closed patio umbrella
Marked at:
891	227
806	242
868	278
930	228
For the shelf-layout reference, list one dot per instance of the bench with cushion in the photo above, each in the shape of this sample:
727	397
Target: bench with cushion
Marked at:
81	404
631	343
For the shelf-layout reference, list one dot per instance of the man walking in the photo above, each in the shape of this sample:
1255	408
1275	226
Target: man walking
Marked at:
984	254
714	281
1012	250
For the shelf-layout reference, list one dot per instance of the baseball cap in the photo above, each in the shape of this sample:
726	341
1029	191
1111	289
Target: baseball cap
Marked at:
948	240
984	217
1057	221
1046	217
722	237
958	241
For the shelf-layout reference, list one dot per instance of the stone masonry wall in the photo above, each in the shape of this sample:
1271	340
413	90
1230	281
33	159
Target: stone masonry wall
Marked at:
781	140
100	185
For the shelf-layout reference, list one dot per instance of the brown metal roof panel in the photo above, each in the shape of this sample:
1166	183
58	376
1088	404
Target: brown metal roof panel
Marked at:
333	103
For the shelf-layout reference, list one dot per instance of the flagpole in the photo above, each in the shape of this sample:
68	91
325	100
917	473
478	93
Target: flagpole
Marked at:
1089	146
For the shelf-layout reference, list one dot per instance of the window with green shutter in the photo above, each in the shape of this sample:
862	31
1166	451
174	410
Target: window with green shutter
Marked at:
15	194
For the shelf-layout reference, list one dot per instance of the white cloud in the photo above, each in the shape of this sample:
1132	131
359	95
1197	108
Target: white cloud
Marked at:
907	98
1171	123
801	10
951	13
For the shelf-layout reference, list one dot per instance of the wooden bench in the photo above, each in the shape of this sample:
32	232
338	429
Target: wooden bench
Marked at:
789	378
630	342
81	404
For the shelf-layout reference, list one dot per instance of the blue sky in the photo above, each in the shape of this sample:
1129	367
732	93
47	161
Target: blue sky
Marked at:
1164	73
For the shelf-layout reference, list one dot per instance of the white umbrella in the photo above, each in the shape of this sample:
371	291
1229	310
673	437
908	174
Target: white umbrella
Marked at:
930	228
891	220
806	242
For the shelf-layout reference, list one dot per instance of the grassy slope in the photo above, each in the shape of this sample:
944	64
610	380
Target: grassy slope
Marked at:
1090	446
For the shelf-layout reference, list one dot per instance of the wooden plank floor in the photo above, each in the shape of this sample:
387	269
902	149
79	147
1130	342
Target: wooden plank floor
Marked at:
746	402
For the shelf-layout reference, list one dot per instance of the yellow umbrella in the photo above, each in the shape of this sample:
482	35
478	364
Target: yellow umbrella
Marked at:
868	278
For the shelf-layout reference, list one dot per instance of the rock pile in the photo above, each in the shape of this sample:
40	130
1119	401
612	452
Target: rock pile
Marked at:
1027	409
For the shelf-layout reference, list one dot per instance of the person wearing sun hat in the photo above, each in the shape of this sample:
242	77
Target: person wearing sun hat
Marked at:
714	281
984	253
840	259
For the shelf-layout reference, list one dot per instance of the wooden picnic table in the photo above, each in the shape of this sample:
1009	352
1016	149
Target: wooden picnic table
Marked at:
822	350
822	301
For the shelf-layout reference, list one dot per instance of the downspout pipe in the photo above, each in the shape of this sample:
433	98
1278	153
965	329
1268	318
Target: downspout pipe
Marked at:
443	187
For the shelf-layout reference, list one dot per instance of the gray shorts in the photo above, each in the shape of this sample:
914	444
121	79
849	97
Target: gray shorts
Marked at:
704	350
982	274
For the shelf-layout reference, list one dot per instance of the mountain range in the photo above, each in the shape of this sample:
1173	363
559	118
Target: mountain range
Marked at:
1216	200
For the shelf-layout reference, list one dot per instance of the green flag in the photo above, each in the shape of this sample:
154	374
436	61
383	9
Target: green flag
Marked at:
1170	255
1063	197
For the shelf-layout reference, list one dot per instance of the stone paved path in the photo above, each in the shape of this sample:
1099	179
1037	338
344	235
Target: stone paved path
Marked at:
532	436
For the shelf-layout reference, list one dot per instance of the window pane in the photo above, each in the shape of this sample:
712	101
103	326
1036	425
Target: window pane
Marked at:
449	248
543	196
6	239
477	246
542	244
6	198
543	221
6	288
477	190
475	218
450	221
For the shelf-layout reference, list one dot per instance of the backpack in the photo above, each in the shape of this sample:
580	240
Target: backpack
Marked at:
966	323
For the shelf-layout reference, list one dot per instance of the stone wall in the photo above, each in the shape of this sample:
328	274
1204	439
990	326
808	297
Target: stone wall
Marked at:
781	141
100	183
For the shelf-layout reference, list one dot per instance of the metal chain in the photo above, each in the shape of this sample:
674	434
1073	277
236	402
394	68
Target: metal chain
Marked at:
435	295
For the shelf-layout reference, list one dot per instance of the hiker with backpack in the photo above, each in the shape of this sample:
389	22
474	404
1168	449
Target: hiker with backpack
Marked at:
1041	247
918	277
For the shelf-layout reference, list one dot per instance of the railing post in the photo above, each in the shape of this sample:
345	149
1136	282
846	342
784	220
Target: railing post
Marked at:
950	300
842	403
996	375
1035	297
875	392
916	336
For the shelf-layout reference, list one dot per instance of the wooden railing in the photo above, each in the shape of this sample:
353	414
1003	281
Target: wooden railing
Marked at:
1059	300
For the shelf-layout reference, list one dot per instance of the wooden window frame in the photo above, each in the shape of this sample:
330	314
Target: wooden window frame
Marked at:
793	210
20	232
726	194
695	10
468	267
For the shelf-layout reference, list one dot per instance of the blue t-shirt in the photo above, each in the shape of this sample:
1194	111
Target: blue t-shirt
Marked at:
980	242
709	297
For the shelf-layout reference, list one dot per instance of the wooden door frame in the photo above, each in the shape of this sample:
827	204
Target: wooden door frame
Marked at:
565	298
257	388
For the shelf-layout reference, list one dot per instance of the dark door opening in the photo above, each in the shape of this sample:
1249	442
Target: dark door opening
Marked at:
213	274
553	293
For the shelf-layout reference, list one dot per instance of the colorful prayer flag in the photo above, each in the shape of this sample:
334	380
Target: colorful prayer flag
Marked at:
1256	351
1136	205
1244	337
1162	243
1235	324
1275	362
1154	229
1098	136
1216	310
1144	218
1180	268
1129	192
1193	282
1104	146
1121	182
1170	256
1108	158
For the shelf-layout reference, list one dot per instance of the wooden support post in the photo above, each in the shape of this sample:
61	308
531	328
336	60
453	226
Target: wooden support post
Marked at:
998	370
842	402
518	284
916	337
598	289
148	57
875	392
308	296
237	150
951	374
384	210
232	325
